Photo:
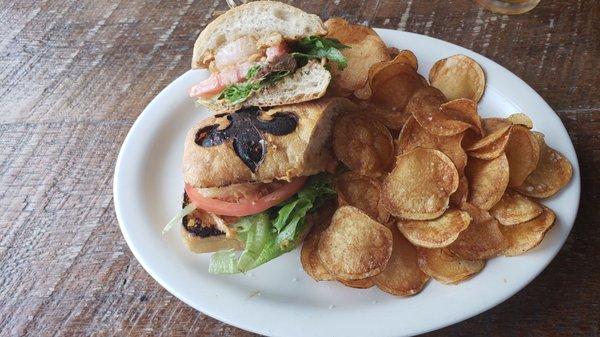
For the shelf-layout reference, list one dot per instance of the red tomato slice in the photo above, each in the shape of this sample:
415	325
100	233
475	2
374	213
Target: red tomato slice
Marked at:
246	206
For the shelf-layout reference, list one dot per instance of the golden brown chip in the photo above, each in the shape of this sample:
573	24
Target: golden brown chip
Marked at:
391	83
401	276
526	236
363	193
420	184
428	106
393	119
552	173
492	124
413	136
462	192
390	86
360	284
365	146
393	51
492	145
446	267
482	239
345	32
366	49
435	233
521	119
515	208
487	180
308	255
458	76
465	110
470	138
354	246
523	154
407	57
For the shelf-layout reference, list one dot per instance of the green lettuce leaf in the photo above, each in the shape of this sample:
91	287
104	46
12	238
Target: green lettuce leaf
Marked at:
317	47
223	262
257	236
267	238
239	92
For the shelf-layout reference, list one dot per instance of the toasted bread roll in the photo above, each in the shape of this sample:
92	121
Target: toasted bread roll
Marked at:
259	19
219	152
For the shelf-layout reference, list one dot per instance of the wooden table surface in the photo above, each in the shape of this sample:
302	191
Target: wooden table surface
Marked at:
74	76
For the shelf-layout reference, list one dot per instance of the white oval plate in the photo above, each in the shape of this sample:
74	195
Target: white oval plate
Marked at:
279	298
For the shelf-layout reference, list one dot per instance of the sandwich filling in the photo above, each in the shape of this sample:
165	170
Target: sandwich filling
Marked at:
247	65
270	219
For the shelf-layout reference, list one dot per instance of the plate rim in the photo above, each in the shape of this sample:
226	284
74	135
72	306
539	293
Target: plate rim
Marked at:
155	274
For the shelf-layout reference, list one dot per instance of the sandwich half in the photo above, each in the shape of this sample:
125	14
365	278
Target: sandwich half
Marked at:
263	53
256	180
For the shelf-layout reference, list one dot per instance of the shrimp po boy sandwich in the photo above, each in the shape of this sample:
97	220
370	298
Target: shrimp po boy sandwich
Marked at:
256	180
264	53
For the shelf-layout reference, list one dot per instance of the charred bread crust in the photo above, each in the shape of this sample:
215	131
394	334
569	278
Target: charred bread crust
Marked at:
205	239
303	152
198	229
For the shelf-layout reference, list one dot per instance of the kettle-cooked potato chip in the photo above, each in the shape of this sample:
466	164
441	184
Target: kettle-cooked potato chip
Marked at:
359	284
522	153
363	193
354	246
446	267
365	146
393	119
482	239
527	235
465	110
462	192
308	255
413	136
515	208
488	180
390	86
398	78
393	51
435	233
366	49
552	173
458	76
420	184
401	276
470	138
492	124
521	119
429	107
492	145
407	57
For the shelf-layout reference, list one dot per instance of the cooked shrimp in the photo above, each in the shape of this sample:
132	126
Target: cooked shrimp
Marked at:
236	52
233	65
218	81
276	50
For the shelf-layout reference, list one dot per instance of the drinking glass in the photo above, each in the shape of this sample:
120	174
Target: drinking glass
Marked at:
509	6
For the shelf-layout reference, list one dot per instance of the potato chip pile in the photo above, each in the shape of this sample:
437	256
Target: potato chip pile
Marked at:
429	189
